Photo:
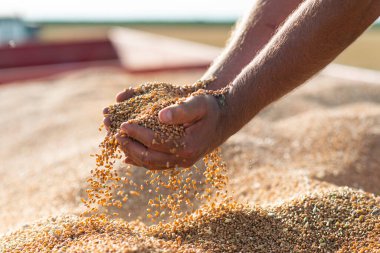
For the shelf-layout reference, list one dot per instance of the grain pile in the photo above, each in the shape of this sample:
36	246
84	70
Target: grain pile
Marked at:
342	219
180	184
285	168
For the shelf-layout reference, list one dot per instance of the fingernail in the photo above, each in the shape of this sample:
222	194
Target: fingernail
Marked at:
166	115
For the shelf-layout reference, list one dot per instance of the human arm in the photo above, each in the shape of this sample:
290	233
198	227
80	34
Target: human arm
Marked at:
251	34
311	38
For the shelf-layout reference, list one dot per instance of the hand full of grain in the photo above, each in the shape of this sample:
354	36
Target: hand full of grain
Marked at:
170	191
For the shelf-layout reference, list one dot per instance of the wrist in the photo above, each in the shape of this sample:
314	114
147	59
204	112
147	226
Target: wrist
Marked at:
235	112
216	84
223	128
224	119
215	81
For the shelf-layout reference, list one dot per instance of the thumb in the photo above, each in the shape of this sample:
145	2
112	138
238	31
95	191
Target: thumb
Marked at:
192	109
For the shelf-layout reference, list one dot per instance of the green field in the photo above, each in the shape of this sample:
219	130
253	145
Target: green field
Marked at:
364	52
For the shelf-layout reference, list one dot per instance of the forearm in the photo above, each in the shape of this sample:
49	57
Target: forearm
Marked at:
311	38
249	37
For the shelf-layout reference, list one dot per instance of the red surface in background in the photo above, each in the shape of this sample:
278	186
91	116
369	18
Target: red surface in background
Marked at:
37	60
9	75
54	53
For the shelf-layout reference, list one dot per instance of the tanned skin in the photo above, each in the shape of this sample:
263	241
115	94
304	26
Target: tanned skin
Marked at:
252	33
277	47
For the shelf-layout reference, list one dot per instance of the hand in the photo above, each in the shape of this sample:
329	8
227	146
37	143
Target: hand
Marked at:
120	97
201	116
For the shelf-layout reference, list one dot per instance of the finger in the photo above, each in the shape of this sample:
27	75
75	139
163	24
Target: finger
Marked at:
149	159
124	95
105	111
150	139
146	157
107	123
193	109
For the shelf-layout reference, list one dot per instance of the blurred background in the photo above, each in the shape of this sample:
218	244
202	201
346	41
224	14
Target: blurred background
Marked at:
62	62
41	32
